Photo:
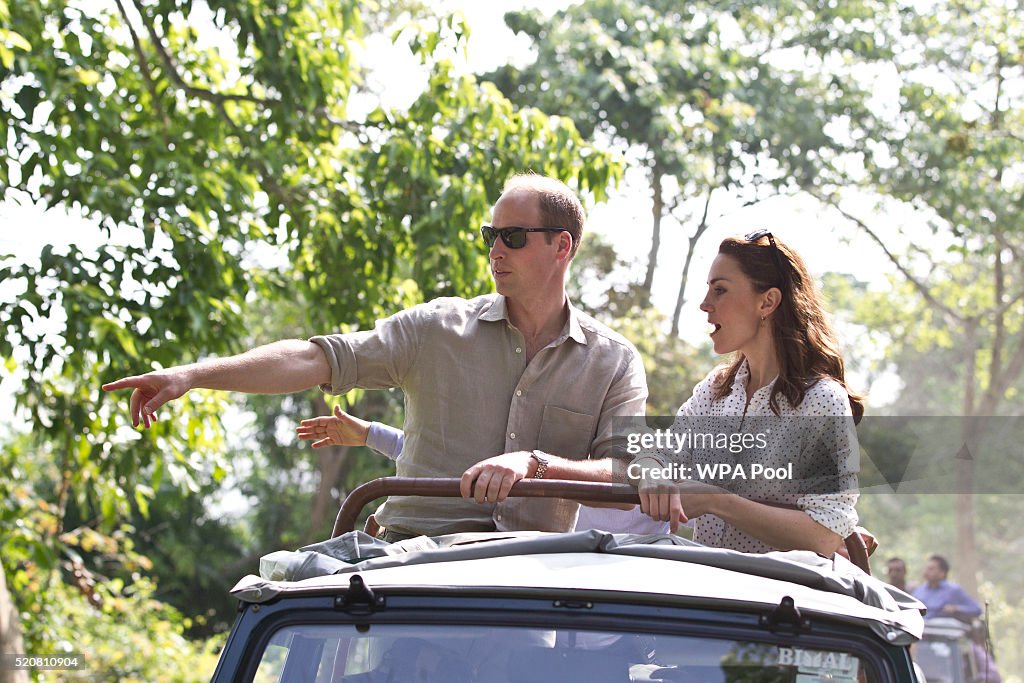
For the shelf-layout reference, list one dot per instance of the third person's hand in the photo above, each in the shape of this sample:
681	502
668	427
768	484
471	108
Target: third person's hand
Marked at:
340	429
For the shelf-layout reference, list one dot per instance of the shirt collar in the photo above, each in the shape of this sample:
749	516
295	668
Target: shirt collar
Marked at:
743	373
575	330
739	381
498	310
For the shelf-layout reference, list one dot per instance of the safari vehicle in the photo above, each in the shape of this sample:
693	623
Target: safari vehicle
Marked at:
945	653
585	606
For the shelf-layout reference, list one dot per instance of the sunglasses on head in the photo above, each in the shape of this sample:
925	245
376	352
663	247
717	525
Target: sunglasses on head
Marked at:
513	237
758	234
776	255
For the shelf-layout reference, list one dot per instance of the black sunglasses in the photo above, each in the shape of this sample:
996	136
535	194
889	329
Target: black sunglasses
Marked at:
776	254
514	237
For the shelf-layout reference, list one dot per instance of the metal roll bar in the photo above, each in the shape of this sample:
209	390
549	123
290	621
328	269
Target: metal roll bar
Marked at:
363	494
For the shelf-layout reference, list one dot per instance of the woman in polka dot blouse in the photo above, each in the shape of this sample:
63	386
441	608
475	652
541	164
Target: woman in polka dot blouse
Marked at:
763	456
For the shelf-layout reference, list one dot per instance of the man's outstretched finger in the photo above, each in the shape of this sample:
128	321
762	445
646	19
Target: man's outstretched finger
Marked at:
124	383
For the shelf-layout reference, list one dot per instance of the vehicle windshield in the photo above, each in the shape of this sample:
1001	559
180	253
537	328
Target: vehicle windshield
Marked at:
942	661
389	652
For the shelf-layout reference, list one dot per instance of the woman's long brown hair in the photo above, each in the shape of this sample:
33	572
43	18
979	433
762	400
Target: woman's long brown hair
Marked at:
805	345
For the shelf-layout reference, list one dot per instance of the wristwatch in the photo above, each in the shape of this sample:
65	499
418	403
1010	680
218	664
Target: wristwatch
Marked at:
542	463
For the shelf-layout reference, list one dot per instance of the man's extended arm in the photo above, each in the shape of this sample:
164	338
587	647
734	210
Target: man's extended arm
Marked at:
278	368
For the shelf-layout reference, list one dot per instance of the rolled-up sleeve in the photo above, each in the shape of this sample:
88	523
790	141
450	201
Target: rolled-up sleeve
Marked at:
835	512
373	359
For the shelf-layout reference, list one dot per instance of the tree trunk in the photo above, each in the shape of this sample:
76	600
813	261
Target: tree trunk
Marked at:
681	296
10	634
966	568
658	209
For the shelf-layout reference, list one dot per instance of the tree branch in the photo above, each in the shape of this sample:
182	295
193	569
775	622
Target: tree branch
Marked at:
1004	309
701	229
218	99
1006	244
746	204
351	126
172	71
918	285
143	65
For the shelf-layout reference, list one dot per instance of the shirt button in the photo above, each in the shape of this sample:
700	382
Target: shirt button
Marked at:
519	350
512	435
519	392
498	517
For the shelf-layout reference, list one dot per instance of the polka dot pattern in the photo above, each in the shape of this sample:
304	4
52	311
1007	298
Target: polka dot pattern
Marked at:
822	443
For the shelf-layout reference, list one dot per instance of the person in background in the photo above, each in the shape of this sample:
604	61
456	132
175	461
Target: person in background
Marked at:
942	597
896	574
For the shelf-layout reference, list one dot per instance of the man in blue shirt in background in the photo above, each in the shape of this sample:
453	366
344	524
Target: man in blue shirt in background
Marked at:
944	598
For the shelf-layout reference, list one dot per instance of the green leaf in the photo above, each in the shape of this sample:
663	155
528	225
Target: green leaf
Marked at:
88	77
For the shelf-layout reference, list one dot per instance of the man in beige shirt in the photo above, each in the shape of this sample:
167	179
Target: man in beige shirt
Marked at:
520	373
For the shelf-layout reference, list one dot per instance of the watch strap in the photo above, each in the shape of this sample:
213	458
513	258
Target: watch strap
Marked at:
542	464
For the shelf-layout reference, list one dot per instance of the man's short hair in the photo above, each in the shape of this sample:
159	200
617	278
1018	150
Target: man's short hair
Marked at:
941	561
559	205
895	559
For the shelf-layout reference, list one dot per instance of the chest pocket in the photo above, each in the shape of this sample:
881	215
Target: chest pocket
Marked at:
565	433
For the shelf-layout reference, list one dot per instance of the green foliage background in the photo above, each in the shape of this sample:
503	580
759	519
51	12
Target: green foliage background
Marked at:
201	136
191	142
